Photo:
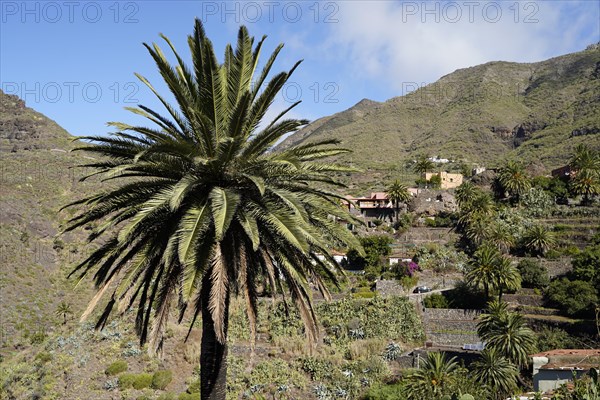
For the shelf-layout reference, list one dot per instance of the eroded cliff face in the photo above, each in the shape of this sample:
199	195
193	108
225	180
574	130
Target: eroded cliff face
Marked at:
22	128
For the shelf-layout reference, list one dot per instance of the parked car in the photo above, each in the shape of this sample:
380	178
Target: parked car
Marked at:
422	289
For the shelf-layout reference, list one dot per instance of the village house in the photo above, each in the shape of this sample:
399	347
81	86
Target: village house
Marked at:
398	258
556	367
562	172
438	160
448	180
478	170
377	206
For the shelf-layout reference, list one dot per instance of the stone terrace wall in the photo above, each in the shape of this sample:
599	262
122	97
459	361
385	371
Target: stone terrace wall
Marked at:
450	327
418	236
387	288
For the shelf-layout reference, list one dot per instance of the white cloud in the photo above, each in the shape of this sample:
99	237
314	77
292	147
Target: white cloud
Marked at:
395	42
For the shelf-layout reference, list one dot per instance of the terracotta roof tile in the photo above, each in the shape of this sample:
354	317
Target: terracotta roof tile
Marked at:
568	352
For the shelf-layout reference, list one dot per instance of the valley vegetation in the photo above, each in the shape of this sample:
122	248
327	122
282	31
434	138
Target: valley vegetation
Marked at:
198	222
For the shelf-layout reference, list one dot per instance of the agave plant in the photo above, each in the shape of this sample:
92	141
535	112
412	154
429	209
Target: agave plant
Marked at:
392	351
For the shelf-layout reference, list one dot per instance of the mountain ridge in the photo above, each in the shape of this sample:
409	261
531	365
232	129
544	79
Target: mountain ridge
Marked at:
480	115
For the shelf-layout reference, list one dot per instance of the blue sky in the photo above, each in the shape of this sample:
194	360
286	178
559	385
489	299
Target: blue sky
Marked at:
75	61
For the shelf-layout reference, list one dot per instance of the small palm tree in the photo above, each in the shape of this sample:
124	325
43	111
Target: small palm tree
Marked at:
507	276
433	379
495	316
500	235
465	193
477	230
538	239
478	206
585	159
587	183
497	373
64	310
398	193
483	272
506	332
514	180
202	210
423	164
586	166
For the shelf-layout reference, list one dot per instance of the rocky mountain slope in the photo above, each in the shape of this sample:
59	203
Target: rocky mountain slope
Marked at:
38	177
480	115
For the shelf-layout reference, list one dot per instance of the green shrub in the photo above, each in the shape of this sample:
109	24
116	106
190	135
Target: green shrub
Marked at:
116	368
166	396
404	222
561	227
465	296
408	282
387	318
436	300
126	380
188	396
571	250
318	368
537	202
533	274
161	379
384	392
555	338
430	222
142	381
194	386
38	337
44	357
363	295
585	266
573	298
143	397
552	254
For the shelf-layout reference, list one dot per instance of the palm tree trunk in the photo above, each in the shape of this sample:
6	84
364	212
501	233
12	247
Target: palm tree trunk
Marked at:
213	354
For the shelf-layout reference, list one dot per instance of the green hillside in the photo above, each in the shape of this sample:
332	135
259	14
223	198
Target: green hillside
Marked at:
480	115
38	177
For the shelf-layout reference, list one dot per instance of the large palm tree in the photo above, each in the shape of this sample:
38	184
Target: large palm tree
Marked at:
514	180
506	332
538	239
483	268
497	373
202	210
433	379
398	193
